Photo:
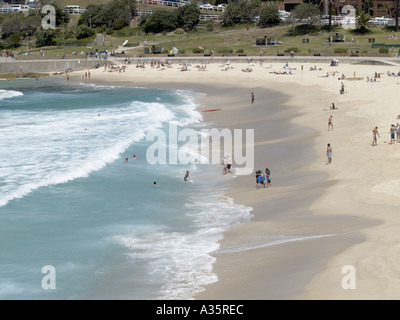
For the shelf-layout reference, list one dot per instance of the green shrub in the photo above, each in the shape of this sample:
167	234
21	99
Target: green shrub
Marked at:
181	51
197	50
383	50
239	51
134	44
179	32
84	32
340	50
294	49
224	51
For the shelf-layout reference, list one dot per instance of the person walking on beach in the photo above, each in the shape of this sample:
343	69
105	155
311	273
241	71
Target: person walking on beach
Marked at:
228	164
392	133
329	153
374	138
342	89
186	176
225	166
252	97
268	177
330	124
260	180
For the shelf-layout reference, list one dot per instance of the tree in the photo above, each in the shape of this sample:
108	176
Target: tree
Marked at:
93	16
30	24
14	40
304	14
269	15
160	21
98	15
232	14
240	11
362	22
188	16
45	38
367	5
11	25
84	32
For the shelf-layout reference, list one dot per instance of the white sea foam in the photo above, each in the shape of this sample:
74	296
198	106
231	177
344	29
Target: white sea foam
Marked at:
46	148
183	261
4	94
271	241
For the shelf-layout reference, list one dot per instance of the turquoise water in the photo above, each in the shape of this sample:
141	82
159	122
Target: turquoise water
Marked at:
68	200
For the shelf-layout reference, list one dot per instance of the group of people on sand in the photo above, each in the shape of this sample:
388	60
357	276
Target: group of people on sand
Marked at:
263	179
394	132
201	68
376	76
281	72
85	76
160	64
315	68
185	67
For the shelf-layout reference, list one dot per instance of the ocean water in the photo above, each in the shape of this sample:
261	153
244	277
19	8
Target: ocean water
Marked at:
68	199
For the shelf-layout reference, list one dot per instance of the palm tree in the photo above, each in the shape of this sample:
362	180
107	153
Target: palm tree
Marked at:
387	8
363	22
367	5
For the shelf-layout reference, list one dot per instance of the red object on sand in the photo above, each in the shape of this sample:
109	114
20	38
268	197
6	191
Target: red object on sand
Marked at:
211	110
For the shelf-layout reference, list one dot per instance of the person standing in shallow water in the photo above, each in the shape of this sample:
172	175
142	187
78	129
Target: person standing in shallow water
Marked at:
252	97
186	178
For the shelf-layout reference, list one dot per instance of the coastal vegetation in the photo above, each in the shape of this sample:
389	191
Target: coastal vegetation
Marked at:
168	27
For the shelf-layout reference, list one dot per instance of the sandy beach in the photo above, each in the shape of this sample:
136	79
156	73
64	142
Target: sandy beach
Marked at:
317	218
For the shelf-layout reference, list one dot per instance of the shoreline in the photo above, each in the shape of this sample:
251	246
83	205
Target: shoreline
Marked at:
272	264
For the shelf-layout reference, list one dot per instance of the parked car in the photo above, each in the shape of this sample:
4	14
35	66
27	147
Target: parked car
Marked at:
205	6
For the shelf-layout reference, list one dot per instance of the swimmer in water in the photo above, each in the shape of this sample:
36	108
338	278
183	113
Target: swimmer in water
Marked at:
126	160
186	176
134	157
155	184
